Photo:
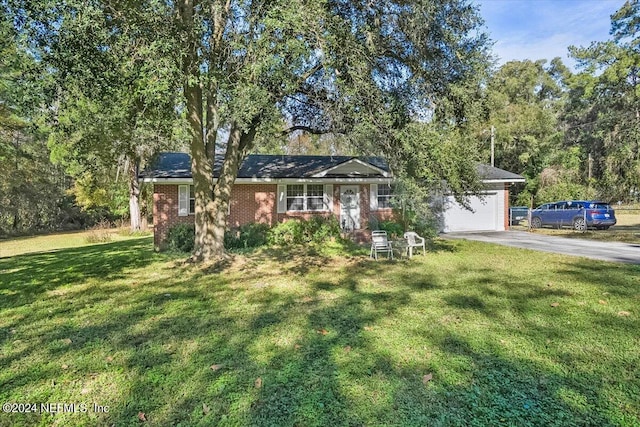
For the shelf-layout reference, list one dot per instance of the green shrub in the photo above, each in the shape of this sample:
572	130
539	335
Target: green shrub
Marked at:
286	233
393	229
320	230
181	237
246	236
426	227
295	231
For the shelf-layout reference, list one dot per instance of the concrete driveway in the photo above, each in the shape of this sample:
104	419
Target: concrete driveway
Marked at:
607	251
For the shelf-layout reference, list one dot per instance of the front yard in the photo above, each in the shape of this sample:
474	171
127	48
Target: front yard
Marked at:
471	334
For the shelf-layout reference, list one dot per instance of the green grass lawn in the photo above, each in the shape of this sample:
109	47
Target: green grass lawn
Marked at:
471	334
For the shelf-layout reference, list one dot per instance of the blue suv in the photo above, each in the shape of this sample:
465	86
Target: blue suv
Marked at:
579	214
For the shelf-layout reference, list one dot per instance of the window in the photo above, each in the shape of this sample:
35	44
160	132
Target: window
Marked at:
295	197
186	200
385	193
315	196
305	197
192	200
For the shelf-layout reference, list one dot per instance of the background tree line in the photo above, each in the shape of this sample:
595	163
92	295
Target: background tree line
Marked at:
571	134
91	90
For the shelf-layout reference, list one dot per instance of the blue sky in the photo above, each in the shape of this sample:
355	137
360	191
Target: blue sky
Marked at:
544	29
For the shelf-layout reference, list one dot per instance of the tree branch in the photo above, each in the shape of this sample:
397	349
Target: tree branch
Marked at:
307	129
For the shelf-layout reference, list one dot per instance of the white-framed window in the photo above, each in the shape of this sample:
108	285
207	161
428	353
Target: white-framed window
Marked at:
192	200
385	193
305	197
186	200
295	197
315	197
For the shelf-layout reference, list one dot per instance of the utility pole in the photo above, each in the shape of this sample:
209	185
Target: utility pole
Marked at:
589	170
493	144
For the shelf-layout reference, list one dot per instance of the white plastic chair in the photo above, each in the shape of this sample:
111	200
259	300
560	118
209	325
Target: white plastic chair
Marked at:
380	243
414	241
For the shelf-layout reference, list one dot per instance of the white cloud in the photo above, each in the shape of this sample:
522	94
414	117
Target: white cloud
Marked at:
527	48
544	29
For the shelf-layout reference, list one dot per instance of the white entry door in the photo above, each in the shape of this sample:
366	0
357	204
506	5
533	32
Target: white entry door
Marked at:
350	207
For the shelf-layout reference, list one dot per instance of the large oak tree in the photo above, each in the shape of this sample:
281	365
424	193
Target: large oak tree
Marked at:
255	70
358	67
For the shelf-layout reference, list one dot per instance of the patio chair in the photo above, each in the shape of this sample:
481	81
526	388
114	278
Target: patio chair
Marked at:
414	241
380	243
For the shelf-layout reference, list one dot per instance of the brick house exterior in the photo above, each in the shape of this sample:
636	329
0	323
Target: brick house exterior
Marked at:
272	189
261	197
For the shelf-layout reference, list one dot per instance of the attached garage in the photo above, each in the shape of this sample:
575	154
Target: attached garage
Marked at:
489	211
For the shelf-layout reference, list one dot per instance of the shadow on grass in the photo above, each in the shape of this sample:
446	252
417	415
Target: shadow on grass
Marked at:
24	278
344	341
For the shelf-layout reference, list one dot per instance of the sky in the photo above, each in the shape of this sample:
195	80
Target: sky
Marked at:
544	29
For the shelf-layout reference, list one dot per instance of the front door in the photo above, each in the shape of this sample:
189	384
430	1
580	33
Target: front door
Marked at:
349	207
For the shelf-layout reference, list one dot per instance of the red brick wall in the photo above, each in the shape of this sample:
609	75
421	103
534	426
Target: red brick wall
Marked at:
165	212
506	206
253	203
249	203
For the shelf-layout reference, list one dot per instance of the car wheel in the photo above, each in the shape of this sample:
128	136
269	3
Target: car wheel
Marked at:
579	224
536	222
606	227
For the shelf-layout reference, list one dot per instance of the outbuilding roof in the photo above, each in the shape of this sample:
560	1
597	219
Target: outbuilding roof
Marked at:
491	173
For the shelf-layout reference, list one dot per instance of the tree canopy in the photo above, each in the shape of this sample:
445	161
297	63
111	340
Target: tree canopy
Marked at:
108	83
604	111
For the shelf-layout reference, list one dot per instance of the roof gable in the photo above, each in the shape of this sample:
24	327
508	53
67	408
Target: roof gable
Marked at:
353	167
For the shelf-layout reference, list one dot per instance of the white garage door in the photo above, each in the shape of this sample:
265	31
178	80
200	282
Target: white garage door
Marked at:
487	215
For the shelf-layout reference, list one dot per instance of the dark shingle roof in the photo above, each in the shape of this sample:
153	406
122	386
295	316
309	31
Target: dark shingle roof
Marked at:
487	172
178	165
168	165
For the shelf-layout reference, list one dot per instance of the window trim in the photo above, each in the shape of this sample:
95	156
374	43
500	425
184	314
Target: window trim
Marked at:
192	196
287	197
308	197
186	195
305	198
388	197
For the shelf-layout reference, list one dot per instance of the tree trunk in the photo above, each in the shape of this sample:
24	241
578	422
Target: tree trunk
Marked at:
210	207
238	145
201	163
134	196
16	221
144	208
202	173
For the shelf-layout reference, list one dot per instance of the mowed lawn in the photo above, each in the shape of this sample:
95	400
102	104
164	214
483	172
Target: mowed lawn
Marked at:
471	334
